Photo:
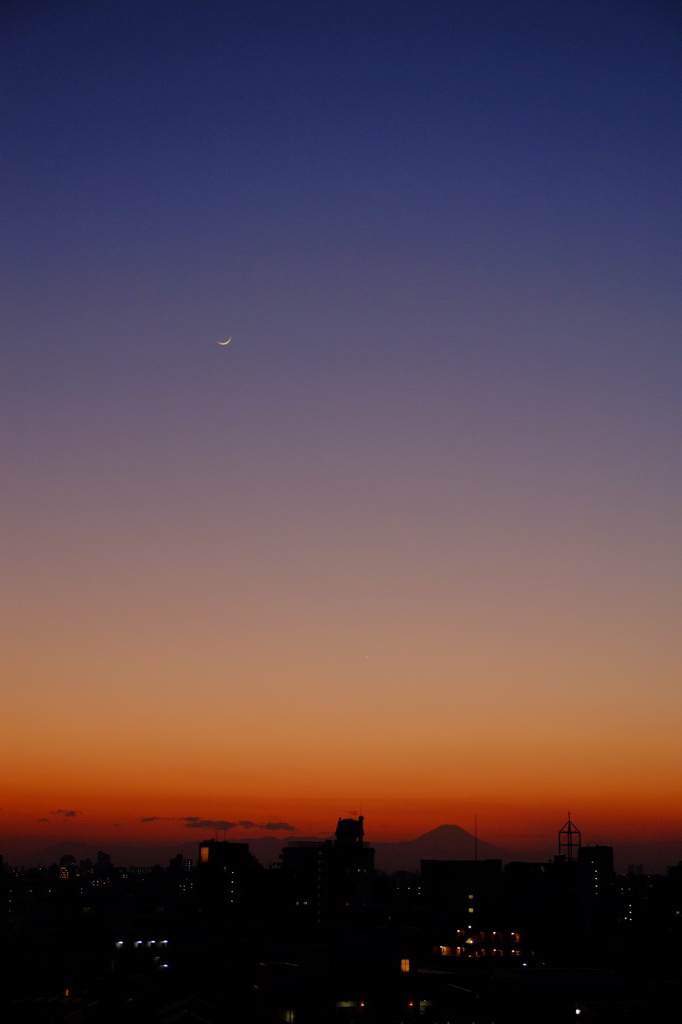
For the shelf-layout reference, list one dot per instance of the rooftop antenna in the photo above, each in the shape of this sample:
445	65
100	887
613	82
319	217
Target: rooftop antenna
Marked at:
569	839
475	837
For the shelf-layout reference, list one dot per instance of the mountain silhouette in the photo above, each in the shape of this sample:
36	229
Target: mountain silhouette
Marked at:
446	842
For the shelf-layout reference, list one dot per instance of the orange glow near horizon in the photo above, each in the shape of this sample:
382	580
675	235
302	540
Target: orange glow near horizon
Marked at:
107	814
271	745
518	754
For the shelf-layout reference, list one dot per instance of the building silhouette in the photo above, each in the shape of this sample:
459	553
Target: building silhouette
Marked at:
226	875
332	879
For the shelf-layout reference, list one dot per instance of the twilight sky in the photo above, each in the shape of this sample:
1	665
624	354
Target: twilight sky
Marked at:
410	545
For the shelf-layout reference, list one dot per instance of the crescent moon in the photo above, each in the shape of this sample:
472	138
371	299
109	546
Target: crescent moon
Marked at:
226	342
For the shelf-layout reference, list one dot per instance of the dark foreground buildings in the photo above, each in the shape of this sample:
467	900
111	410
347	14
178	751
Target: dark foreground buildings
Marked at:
321	936
332	880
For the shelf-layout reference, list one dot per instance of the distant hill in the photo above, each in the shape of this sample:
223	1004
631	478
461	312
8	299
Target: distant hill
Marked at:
267	849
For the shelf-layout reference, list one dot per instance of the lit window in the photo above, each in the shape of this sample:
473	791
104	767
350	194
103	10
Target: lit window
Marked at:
404	966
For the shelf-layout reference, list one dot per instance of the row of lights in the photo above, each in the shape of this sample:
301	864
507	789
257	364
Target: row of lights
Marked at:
139	943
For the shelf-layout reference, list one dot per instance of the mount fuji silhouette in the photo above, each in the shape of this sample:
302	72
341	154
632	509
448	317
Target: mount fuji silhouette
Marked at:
446	842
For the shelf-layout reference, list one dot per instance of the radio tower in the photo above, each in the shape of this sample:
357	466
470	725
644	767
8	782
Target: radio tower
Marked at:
569	840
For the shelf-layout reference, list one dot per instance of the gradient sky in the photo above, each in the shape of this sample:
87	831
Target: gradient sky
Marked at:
410	545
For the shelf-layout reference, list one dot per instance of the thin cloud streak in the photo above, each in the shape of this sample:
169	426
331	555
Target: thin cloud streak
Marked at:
195	821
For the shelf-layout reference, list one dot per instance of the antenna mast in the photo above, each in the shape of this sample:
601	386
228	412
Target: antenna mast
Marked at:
569	840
